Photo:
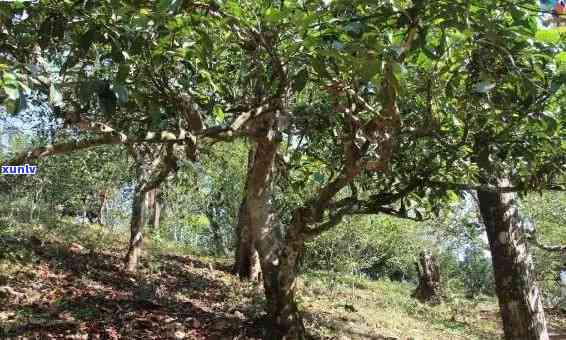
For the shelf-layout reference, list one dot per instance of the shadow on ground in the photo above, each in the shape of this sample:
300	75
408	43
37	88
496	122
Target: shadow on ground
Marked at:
57	292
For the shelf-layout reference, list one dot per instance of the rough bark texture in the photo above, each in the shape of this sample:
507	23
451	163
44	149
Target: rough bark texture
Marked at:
519	298
562	276
156	217
428	289
279	268
154	209
279	248
278	256
246	261
136	228
246	264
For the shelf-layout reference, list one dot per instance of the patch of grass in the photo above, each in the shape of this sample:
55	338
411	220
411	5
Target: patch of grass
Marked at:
350	307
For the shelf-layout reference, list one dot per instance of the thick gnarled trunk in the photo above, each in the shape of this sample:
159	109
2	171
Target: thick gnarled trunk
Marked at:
520	301
280	268
278	253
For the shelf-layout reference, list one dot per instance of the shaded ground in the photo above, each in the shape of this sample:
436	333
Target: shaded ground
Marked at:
53	288
53	291
556	324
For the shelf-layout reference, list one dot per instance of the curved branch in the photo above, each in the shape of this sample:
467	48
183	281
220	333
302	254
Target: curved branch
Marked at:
349	204
62	148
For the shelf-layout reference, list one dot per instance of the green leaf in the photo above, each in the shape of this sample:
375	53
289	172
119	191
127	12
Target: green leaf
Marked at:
560	59
429	52
452	196
300	80
166	5
86	40
156	119
549	36
9	78
107	98
234	8
319	67
85	91
218	113
71	61
123	73
272	15
10	105
550	122
318	177
371	68
117	55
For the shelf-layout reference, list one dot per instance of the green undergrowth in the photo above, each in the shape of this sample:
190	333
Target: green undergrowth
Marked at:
352	307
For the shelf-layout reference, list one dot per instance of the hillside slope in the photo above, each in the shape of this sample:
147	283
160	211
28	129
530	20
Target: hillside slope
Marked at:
65	281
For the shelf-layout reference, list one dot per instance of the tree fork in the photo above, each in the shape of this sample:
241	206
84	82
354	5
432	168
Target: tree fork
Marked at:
149	176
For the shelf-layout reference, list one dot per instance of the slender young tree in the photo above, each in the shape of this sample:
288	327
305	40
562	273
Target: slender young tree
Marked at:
152	169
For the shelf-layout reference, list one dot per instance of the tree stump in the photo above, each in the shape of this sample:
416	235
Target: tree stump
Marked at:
428	289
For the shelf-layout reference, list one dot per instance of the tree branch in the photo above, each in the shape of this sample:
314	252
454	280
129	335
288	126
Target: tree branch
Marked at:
62	148
334	220
489	188
170	164
389	211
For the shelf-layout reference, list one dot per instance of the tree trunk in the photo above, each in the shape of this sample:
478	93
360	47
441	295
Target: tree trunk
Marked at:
519	298
154	209
562	276
280	267
278	253
150	173
156	217
246	264
136	229
520	302
428	289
